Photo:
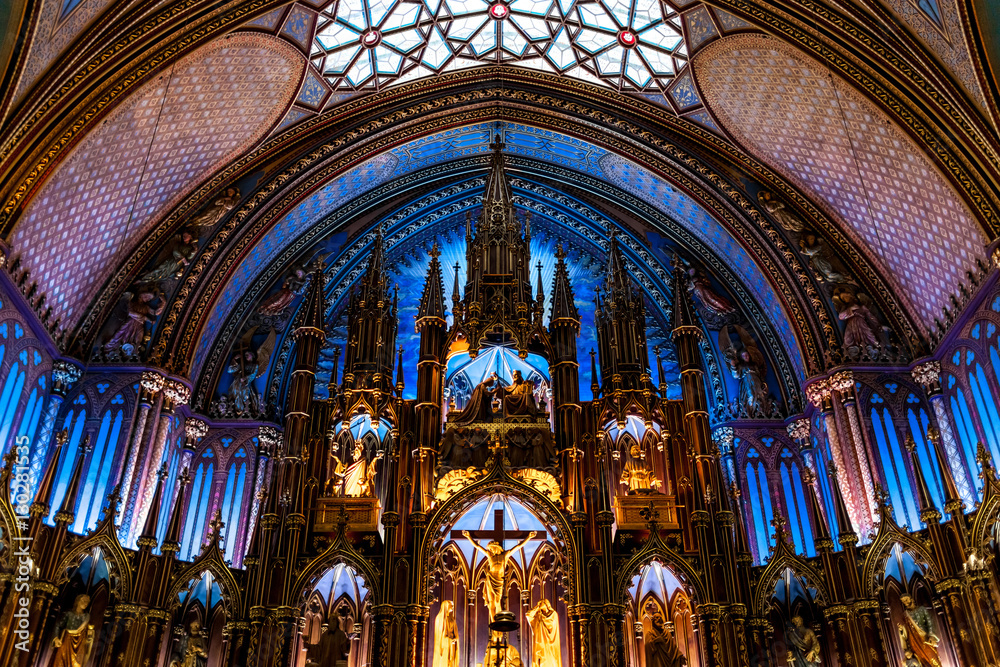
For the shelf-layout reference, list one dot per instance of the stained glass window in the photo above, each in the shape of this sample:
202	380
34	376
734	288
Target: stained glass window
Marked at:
197	511
761	512
917	418
894	471
73	423
821	454
986	406
98	470
624	44
799	525
169	485
232	506
965	429
9	400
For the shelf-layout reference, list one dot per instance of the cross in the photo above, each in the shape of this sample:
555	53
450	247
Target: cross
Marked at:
497	533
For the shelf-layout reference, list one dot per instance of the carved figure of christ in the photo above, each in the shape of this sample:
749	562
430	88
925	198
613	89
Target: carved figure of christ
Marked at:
496	557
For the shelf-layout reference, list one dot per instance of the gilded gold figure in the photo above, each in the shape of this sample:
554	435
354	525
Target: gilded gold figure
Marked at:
788	220
212	214
497	559
191	649
661	649
803	645
74	635
354	480
445	637
544	635
916	634
637	475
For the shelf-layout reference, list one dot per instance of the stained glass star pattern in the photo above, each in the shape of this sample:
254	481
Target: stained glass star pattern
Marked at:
633	45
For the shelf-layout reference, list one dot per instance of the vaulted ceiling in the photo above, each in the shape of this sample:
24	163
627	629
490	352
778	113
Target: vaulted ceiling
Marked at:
792	152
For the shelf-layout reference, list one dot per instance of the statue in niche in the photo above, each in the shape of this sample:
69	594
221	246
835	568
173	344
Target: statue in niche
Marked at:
661	649
860	323
803	645
701	288
544	635
191	649
916	634
246	366
332	649
130	336
788	220
636	475
497	559
445	637
183	249
291	287
812	247
74	635
746	364
218	209
478	408
518	397
531	448
354	480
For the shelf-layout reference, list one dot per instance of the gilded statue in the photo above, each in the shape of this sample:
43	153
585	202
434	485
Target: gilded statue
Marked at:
545	648
212	214
445	637
661	649
788	220
803	645
636	475
518	397
746	364
246	366
354	480
185	247
74	635
497	560
191	649
916	634
131	334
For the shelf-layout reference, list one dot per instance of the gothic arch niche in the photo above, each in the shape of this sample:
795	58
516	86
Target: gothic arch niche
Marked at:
465	589
905	577
200	601
658	617
794	597
92	575
336	618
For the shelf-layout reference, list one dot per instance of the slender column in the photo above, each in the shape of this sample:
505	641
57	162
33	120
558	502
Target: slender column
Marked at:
267	439
175	394
843	384
929	376
150	384
64	374
820	395
725	440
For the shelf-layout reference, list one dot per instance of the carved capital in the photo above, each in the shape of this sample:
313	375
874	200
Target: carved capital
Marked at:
798	430
928	375
842	381
724	438
268	437
151	382
819	392
177	393
195	429
64	374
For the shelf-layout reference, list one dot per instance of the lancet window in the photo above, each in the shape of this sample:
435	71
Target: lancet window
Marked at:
894	469
99	467
821	459
916	415
74	422
759	503
233	503
199	500
799	523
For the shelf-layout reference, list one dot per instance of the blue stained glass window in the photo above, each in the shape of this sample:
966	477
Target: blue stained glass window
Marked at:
32	412
986	408
966	431
894	472
74	424
822	457
166	505
798	514
98	471
9	400
761	512
917	418
232	506
197	512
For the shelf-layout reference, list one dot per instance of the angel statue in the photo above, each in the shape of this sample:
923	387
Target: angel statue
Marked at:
812	247
185	247
788	220
860	323
246	366
291	287
129	336
747	364
212	214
